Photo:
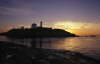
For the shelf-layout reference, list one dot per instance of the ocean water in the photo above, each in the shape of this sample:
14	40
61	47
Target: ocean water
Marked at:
87	45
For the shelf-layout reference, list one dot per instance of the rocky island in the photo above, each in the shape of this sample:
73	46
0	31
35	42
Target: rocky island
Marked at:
40	31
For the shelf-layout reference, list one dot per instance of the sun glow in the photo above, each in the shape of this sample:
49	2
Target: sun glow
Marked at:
68	26
79	28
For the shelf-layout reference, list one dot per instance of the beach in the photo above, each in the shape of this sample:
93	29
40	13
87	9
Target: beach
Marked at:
11	53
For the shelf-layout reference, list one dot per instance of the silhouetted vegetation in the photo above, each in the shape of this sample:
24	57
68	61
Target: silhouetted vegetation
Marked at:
39	32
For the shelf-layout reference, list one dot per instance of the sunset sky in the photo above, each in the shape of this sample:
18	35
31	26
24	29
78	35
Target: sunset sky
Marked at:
81	17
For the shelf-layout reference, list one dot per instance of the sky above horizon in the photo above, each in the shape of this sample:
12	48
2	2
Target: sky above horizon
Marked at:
81	17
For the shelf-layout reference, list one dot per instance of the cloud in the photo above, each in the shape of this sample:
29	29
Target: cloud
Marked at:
17	7
15	11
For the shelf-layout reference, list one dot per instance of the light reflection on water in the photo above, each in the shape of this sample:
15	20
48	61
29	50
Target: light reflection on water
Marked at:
87	45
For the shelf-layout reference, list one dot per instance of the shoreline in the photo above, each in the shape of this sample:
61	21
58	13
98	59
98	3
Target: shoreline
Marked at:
14	53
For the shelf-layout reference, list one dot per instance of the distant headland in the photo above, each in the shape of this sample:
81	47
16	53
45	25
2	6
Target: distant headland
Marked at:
37	31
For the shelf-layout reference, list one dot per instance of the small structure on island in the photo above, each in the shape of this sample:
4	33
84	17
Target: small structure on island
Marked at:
34	25
41	24
22	27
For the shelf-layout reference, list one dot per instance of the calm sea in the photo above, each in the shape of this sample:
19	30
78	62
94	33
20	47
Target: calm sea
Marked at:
87	45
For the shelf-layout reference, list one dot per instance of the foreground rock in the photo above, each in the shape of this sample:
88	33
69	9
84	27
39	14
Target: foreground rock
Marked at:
19	54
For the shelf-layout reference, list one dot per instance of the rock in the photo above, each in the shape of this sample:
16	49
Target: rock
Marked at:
19	54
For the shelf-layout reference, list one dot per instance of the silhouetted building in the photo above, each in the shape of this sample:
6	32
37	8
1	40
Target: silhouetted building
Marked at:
34	25
22	27
41	24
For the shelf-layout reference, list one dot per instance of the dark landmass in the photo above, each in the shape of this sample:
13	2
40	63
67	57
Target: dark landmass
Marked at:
38	32
11	53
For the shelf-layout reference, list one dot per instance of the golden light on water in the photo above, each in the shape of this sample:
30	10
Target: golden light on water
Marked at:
71	44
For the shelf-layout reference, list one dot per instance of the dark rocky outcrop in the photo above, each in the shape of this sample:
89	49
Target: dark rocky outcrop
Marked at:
19	54
38	32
